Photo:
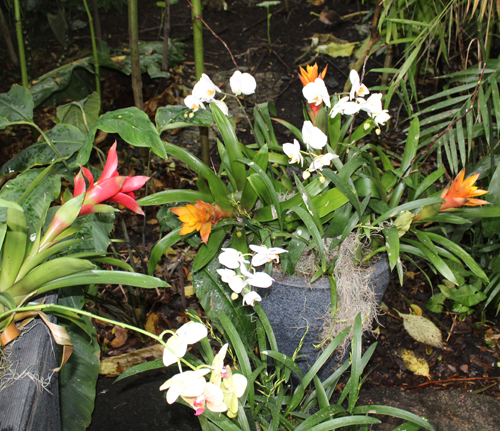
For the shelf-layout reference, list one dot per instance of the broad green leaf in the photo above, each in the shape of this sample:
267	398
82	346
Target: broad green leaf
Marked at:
133	126
345	188
215	298
77	379
468	295
82	114
67	139
140	368
16	106
406	207
14	247
395	412
175	116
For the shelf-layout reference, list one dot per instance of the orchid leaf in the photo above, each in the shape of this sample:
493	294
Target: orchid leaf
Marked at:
232	146
392	242
218	188
208	251
14	247
175	195
308	202
160	247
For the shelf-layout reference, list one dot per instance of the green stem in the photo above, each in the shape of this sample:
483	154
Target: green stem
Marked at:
133	34
269	29
199	69
94	50
20	43
62	308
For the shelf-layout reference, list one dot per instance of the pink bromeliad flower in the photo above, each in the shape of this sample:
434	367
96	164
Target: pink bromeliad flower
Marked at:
109	187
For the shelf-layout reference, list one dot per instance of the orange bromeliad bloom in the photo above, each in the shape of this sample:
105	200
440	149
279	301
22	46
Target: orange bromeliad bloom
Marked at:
462	192
200	217
311	74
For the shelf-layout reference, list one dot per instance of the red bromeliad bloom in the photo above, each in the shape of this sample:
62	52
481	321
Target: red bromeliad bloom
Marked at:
462	193
109	187
200	217
308	76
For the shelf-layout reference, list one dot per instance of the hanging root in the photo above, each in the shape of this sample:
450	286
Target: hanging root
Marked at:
354	295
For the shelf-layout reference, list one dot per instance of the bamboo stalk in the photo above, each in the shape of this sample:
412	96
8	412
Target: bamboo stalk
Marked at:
166	36
133	32
94	50
20	43
8	40
199	68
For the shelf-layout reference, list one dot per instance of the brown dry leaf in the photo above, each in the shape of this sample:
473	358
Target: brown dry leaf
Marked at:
117	365
121	336
422	330
329	17
152	324
416	365
317	2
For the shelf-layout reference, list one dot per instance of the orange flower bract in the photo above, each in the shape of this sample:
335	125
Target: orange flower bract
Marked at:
310	75
462	193
199	217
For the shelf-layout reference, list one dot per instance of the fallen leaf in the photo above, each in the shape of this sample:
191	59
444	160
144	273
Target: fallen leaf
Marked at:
416	309
152	324
121	336
416	365
117	365
422	330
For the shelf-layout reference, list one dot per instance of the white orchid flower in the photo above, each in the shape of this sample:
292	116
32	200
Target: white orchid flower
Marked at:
205	89
188	384
372	105
357	89
212	398
345	107
242	83
218	371
381	118
321	161
256	279
236	282
313	137
316	92
265	255
293	152
231	258
250	298
193	103
233	387
222	106
189	333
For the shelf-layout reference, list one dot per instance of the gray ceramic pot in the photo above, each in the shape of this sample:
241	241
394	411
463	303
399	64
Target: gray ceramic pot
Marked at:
292	303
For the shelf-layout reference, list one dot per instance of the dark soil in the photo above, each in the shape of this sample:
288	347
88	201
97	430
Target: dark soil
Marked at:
471	357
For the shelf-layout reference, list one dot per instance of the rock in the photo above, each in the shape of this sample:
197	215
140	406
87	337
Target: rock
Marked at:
450	410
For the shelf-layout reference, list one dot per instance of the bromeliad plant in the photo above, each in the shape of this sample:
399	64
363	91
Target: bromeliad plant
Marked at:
51	258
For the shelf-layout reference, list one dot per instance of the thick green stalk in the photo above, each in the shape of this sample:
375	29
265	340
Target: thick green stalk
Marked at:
94	50
199	68
133	34
20	43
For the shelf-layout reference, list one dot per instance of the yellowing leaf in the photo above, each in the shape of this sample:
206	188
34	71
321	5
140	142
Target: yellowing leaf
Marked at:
333	46
416	365
152	324
189	290
422	330
416	309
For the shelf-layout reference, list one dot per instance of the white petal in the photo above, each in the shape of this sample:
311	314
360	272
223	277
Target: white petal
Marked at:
259	259
239	384
168	358
173	393
260	279
250	298
192	332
